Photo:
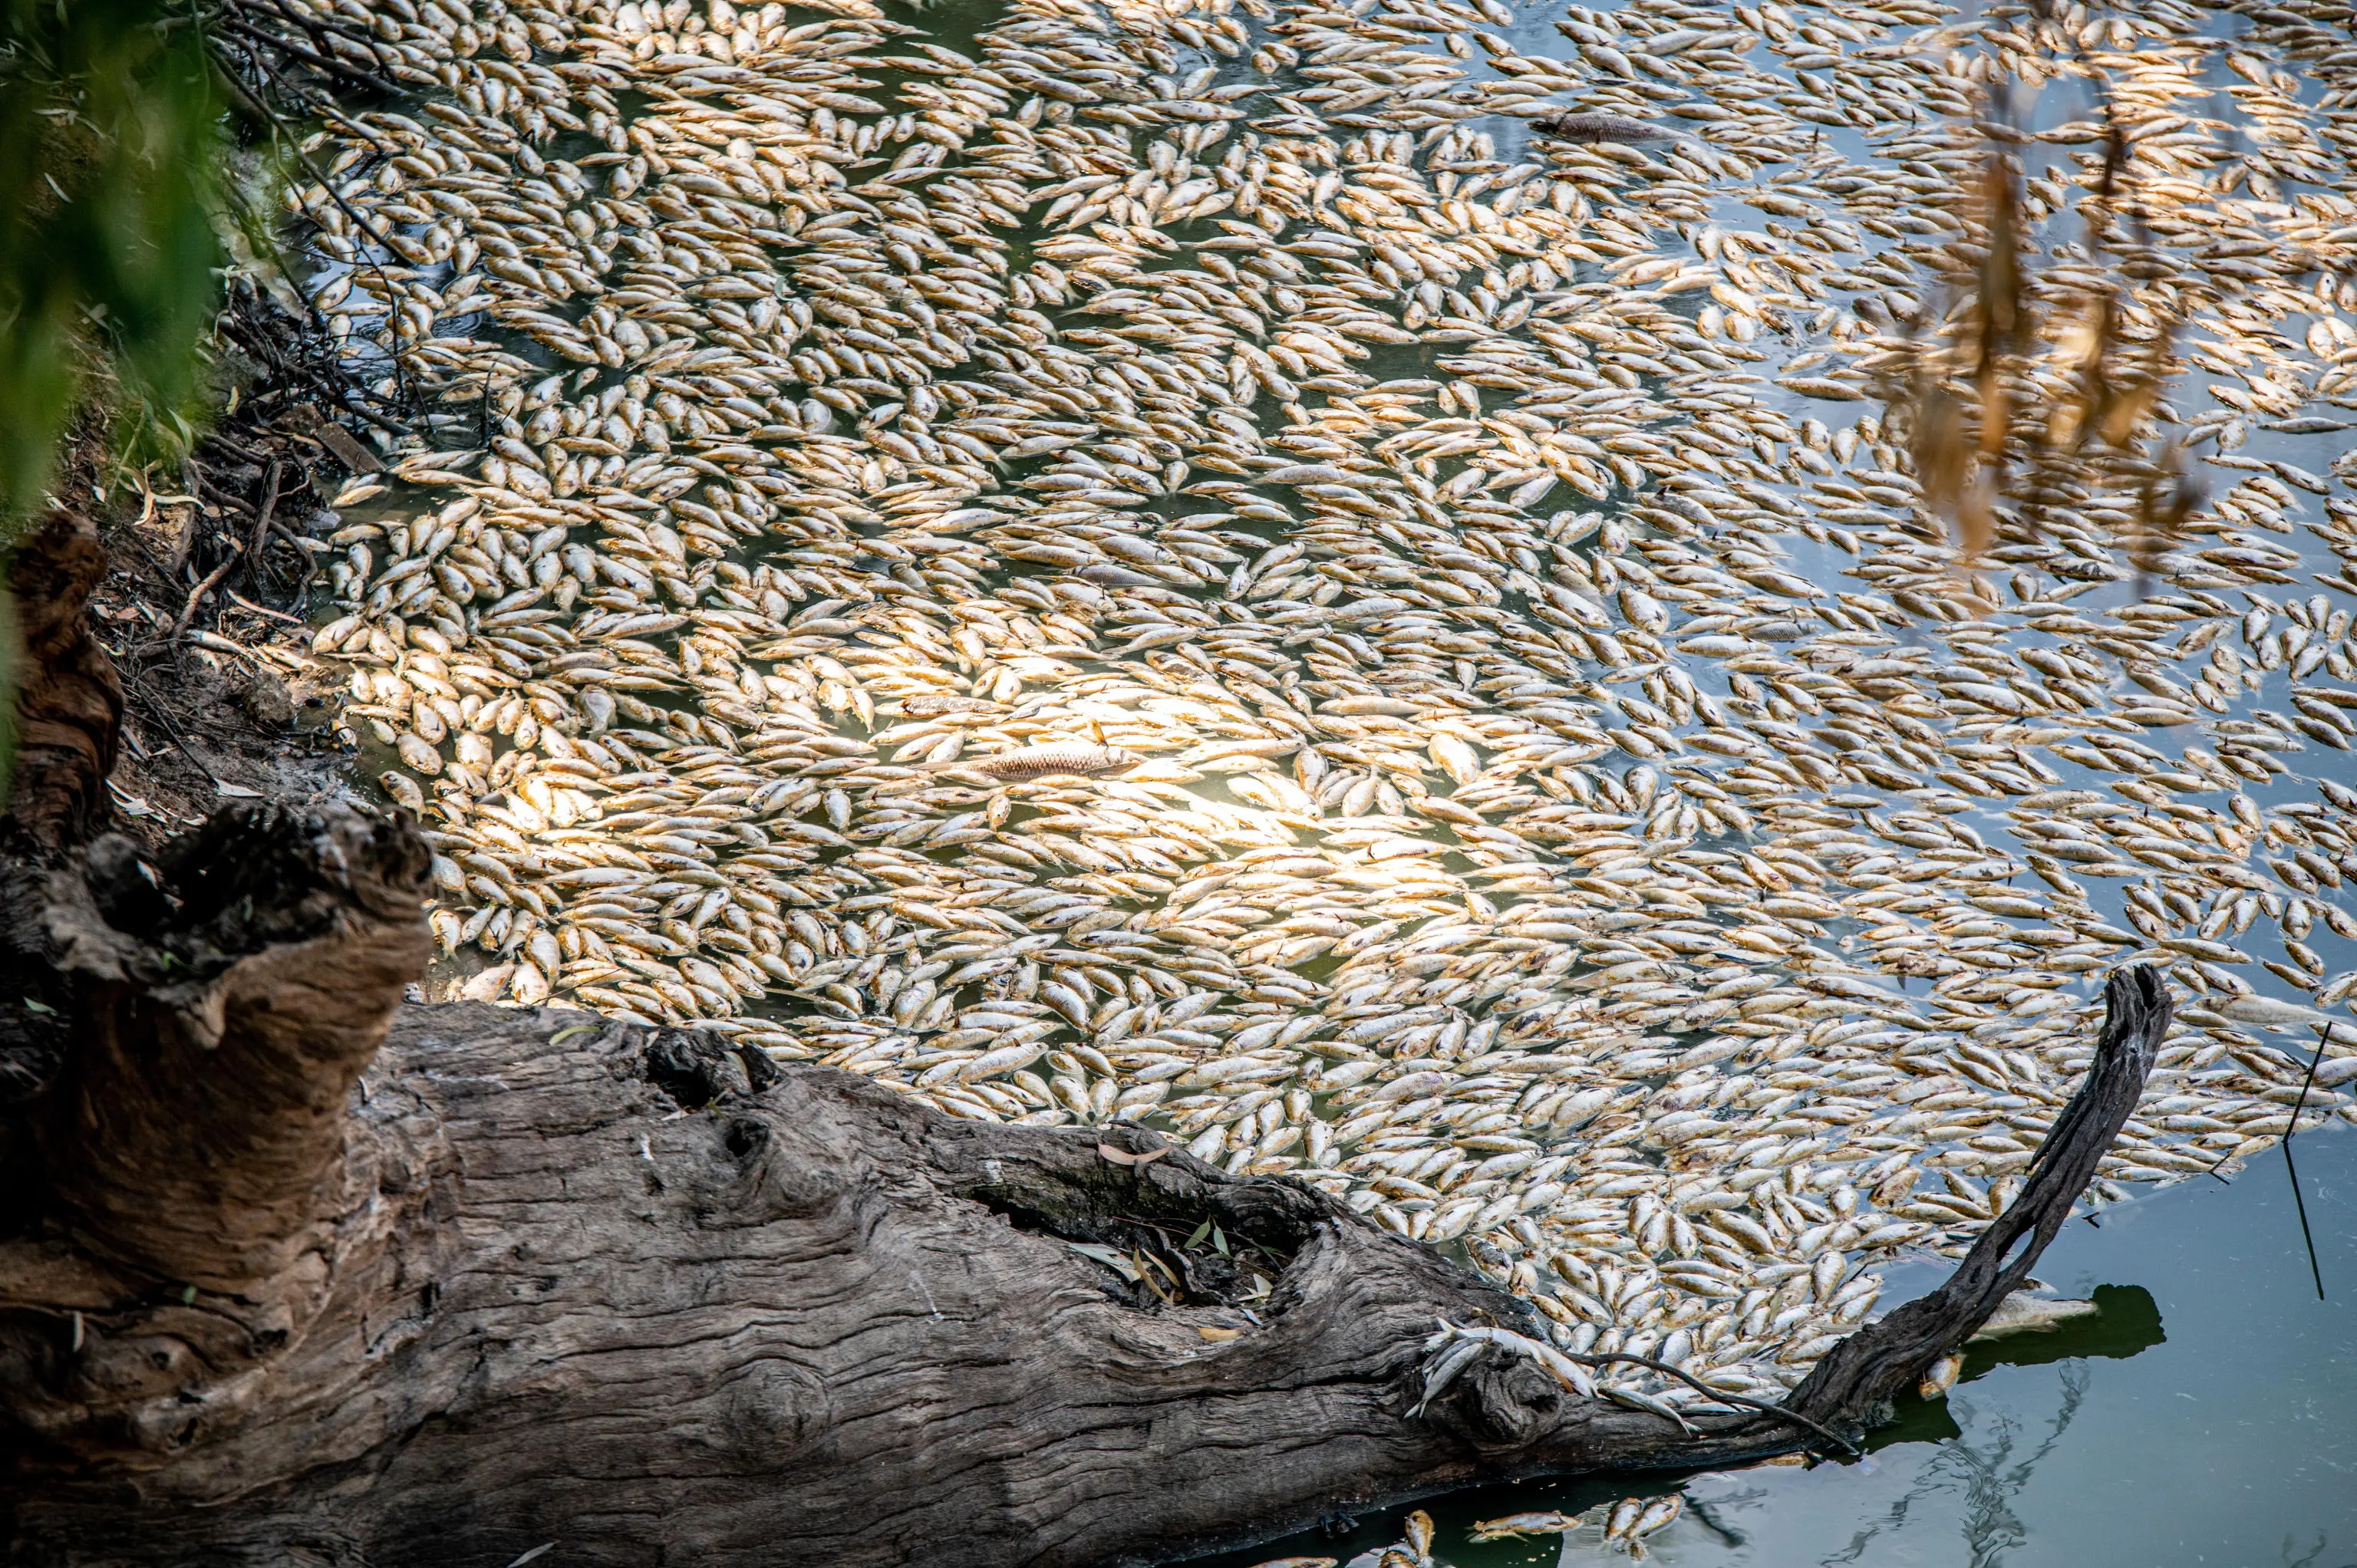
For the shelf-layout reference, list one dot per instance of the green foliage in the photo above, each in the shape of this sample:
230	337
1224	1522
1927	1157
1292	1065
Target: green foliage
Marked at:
111	148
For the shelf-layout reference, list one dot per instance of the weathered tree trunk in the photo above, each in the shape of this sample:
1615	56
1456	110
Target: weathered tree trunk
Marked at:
302	1274
69	700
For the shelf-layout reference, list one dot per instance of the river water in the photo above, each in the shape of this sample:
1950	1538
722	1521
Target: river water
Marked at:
1584	797
2208	1416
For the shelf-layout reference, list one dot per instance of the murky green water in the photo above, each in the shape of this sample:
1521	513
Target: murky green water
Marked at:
2209	1417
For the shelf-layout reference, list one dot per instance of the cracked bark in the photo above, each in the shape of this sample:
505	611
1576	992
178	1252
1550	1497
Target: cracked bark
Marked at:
308	1274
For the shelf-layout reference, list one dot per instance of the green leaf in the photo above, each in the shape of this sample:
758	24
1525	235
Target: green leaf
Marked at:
1200	1231
112	148
1118	1261
1220	1240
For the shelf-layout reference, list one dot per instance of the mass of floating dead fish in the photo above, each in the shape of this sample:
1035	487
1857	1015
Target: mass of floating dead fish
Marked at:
1169	560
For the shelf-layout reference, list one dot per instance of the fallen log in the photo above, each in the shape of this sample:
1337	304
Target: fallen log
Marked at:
306	1273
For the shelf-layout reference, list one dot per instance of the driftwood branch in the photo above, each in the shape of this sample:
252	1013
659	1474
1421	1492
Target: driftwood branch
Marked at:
1854	1384
306	1274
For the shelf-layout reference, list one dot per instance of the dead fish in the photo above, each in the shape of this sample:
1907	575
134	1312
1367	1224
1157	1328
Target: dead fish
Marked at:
1520	1524
1044	761
931	705
518	569
2022	1313
1657	1515
1597	128
2267	1013
1940	1377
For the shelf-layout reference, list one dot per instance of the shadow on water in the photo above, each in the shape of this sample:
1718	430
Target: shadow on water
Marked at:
2127	1323
2207	1414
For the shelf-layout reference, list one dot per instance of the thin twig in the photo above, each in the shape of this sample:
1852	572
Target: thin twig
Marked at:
316	26
261	345
310	570
130	536
311	57
204	481
240	600
238	450
2299	1201
197	595
359	411
1861	1375
262	522
179	743
1601	1358
2323	1038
